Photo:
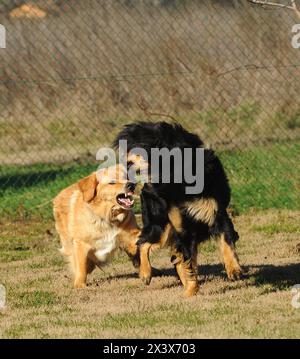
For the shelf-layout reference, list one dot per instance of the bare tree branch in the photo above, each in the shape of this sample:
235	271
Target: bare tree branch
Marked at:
293	5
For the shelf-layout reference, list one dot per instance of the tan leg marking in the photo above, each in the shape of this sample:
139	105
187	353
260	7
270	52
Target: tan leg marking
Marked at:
230	258
145	266
181	273
127	240
176	218
187	272
177	260
192	286
191	289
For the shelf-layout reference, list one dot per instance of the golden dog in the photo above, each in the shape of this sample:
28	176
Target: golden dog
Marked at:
94	218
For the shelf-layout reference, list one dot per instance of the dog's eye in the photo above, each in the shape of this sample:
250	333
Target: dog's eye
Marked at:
113	182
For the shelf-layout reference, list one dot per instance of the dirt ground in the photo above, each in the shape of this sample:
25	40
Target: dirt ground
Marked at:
42	304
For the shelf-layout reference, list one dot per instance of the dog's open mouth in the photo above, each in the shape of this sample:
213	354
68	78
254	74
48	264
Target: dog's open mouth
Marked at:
125	200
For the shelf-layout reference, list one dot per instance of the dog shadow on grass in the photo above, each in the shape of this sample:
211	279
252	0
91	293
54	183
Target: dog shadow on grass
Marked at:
280	277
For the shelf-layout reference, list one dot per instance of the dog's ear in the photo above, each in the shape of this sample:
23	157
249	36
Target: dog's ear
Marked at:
88	186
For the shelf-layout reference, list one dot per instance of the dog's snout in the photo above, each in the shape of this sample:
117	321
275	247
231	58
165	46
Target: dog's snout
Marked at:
130	186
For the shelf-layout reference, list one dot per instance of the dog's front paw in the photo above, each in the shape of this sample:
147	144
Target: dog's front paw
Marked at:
146	276
235	273
79	285
190	289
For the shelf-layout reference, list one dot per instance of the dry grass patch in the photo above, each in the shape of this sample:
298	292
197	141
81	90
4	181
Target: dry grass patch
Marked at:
42	304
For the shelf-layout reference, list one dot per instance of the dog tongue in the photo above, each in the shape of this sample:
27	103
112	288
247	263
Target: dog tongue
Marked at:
126	201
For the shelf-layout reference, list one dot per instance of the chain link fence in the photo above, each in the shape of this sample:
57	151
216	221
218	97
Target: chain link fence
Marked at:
73	72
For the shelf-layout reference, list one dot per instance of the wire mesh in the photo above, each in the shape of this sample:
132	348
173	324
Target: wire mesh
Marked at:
73	72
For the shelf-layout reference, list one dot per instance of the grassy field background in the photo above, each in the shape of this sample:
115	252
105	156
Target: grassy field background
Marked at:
257	178
226	70
42	304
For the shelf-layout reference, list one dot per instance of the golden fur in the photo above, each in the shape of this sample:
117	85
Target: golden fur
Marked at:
91	223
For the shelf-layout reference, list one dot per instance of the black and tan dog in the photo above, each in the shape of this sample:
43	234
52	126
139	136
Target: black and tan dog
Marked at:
174	217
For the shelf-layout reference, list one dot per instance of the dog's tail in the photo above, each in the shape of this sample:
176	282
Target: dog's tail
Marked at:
62	228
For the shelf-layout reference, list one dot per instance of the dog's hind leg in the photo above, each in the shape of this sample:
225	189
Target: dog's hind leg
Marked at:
225	232
192	286
186	267
230	258
180	270
191	272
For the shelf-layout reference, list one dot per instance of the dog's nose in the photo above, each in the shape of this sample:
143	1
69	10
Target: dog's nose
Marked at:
130	186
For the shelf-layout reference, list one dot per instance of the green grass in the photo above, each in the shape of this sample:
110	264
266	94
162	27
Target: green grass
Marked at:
36	299
19	330
162	316
260	177
11	256
244	115
277	228
29	190
264	177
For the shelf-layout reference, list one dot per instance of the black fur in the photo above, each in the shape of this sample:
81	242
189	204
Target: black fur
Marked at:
158	198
